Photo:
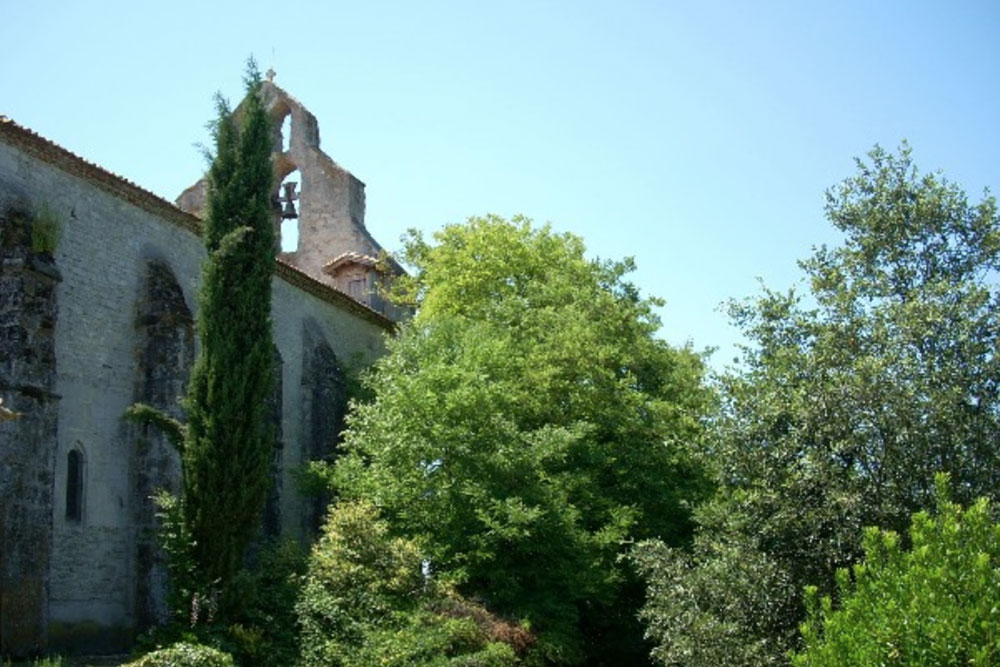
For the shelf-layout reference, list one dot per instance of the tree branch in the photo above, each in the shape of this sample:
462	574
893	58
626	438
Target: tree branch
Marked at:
140	413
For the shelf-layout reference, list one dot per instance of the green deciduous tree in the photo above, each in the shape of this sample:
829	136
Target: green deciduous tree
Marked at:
849	400
527	424
724	606
934	604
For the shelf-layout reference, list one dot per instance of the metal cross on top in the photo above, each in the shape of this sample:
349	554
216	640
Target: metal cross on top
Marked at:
270	74
288	210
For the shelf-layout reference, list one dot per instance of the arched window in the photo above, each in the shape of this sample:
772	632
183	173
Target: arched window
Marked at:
74	485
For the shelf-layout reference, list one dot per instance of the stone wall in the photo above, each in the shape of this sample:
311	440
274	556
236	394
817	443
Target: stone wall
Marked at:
307	420
165	333
28	315
131	267
323	407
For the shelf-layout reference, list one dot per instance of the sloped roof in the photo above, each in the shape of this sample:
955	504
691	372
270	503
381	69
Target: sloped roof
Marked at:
349	257
48	151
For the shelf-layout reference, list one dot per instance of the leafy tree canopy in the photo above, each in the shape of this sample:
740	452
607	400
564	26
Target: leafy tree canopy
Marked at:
850	398
527	423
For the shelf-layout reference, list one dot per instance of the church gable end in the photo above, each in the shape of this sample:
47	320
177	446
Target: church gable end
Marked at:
79	566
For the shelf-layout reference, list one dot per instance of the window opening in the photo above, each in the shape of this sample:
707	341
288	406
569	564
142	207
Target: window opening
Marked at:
74	485
289	201
286	133
356	288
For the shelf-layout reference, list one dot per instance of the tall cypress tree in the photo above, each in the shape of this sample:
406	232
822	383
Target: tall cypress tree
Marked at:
228	442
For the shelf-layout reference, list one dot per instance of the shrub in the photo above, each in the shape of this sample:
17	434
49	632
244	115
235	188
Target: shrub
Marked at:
264	631
366	602
935	604
261	629
185	655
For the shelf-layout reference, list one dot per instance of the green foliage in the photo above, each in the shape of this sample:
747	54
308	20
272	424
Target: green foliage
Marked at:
226	445
173	429
45	230
48	661
176	542
263	628
259	627
527	424
228	449
721	609
848	401
184	654
366	602
935	604
39	231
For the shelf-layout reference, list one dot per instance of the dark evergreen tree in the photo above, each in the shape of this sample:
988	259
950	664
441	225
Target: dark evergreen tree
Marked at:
228	446
227	442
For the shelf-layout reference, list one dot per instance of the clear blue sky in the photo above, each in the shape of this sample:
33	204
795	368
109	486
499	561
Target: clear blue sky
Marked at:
698	137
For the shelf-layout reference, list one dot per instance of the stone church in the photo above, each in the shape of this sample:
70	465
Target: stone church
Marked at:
98	295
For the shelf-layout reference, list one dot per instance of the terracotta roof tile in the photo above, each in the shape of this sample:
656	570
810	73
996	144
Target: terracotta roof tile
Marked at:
349	257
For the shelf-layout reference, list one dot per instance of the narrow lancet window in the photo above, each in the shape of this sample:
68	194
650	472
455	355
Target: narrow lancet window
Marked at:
74	486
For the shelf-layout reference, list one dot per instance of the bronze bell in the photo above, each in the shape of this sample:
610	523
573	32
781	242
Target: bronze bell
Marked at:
288	210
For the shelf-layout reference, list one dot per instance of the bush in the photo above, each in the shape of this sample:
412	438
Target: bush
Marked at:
935	604
261	629
264	631
185	655
366	602
683	596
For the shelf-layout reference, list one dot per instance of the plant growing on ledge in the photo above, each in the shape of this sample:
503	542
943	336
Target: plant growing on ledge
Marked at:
45	230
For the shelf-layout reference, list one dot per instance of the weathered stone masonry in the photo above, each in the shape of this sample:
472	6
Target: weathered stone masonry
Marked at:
165	333
107	319
27	378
